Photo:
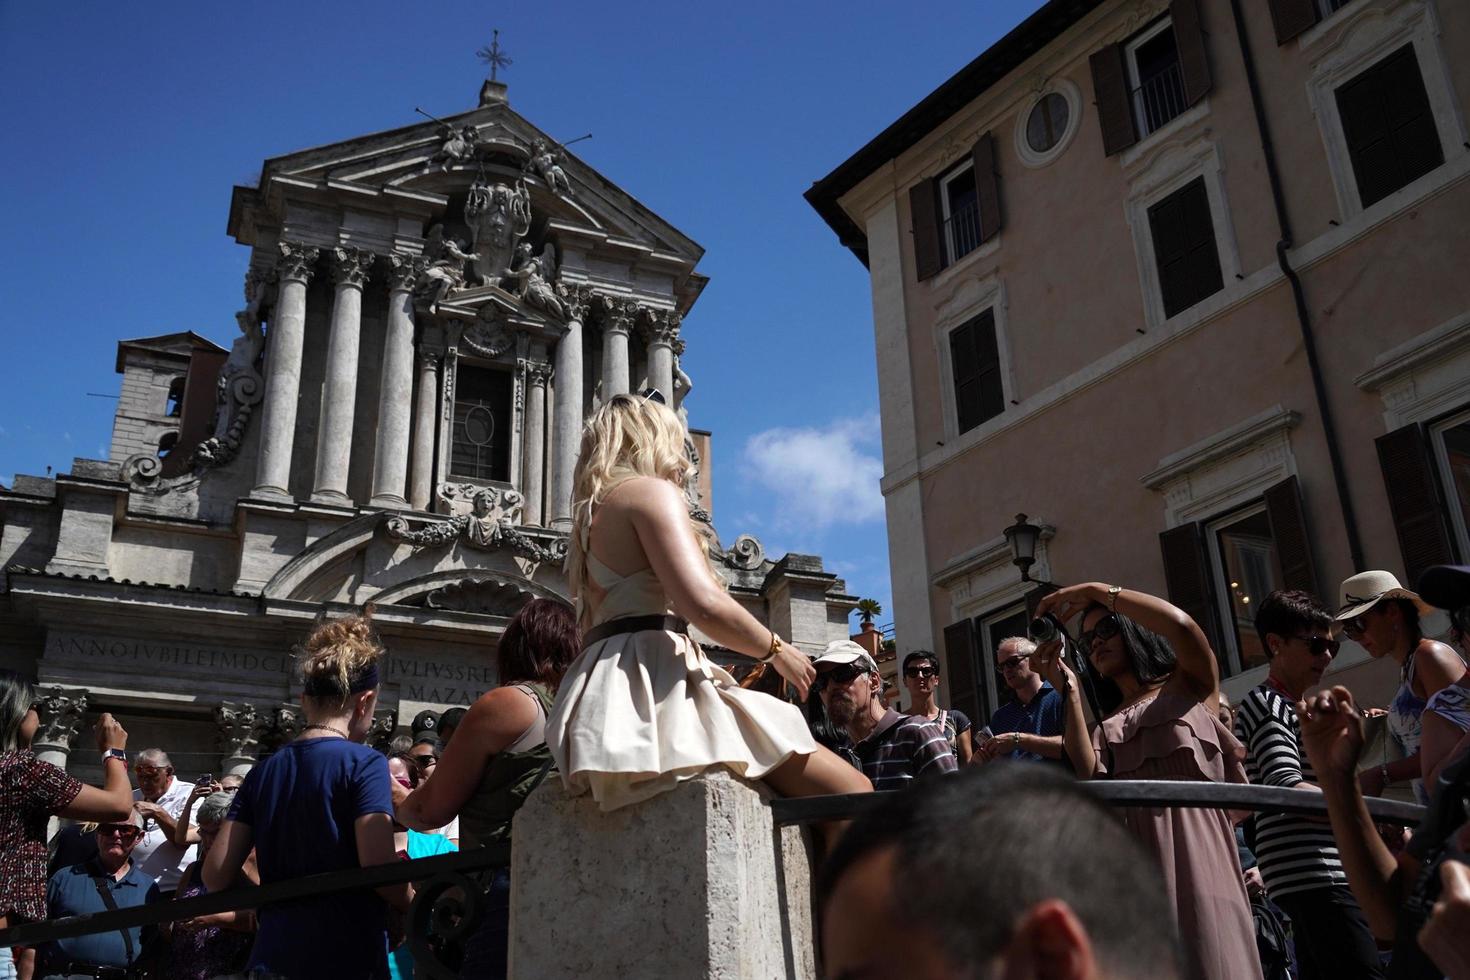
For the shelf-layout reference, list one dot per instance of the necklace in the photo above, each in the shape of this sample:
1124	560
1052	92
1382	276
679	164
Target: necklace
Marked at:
326	728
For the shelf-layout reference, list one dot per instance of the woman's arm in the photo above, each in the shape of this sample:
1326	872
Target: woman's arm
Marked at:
660	517
494	721
184	833
964	748
375	846
1196	670
1047	661
113	803
222	863
1436	666
1442	743
1332	734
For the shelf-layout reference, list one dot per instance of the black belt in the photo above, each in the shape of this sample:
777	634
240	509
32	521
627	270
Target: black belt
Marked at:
92	970
633	624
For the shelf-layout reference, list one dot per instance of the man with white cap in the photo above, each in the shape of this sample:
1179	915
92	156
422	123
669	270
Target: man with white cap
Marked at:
893	749
1383	618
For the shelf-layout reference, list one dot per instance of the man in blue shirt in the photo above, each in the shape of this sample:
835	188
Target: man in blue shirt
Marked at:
1030	727
79	890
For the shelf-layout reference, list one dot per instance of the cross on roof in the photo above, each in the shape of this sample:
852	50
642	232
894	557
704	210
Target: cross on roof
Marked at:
493	56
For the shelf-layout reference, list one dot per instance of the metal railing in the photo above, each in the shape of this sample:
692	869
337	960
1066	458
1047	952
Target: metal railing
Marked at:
962	231
1159	99
449	902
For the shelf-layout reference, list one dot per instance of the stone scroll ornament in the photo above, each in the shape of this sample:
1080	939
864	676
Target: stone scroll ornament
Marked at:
745	554
490	523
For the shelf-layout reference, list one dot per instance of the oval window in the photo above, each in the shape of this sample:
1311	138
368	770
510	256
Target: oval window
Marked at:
1047	122
479	425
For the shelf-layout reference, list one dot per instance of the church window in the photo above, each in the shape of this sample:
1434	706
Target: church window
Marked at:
482	423
174	406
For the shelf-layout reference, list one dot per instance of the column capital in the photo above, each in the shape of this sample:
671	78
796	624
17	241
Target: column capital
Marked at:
662	326
351	266
380	732
538	373
297	261
286	721
404	271
240	729
576	299
617	315
60	710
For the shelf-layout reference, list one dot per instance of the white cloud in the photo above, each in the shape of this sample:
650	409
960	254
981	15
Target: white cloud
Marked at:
819	477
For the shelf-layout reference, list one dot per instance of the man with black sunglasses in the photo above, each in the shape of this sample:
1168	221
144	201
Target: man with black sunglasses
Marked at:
921	677
107	882
1297	856
893	749
1029	728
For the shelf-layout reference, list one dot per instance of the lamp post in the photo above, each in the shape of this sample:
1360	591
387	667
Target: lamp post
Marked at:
1022	536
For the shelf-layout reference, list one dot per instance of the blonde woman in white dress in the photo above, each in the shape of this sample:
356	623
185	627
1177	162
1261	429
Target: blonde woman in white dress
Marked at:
642	708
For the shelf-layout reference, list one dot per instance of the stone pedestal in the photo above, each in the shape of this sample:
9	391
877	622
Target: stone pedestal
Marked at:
696	882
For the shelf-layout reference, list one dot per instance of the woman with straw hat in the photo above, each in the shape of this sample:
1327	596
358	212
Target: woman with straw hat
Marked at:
1382	617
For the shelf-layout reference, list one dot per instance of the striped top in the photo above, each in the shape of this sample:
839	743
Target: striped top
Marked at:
1295	854
903	747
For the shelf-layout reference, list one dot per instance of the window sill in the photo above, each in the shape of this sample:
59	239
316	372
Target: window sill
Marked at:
1145	147
950	272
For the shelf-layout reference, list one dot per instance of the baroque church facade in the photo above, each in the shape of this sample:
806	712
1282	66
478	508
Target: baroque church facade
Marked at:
430	314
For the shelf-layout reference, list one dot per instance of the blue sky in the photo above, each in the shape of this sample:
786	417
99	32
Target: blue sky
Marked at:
127	125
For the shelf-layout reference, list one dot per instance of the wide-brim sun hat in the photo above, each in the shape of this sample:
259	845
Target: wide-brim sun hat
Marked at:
1365	590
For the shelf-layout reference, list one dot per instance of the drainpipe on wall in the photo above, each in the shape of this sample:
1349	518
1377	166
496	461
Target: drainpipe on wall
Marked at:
1304	320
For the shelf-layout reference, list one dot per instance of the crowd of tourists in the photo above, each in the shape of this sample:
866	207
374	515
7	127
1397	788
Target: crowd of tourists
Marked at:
988	860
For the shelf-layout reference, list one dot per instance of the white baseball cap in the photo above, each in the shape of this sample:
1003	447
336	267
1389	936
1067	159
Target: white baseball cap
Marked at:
841	652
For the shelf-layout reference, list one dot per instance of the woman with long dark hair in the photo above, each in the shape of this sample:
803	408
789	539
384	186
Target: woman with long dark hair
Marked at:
320	803
498	755
32	791
1158	685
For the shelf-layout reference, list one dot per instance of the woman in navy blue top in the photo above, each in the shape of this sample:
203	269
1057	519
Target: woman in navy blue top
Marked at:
320	803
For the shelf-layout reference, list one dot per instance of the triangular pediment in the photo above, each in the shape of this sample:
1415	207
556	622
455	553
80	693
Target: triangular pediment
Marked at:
414	168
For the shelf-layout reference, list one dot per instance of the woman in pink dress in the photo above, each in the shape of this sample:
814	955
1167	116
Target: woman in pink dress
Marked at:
1159	687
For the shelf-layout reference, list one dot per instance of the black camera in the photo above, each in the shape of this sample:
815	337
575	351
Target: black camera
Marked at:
1434	842
1044	629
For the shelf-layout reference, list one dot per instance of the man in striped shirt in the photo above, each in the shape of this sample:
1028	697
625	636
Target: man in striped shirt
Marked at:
891	748
1297	856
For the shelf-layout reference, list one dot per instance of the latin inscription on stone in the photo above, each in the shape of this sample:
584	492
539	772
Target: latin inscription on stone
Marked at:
128	651
440	682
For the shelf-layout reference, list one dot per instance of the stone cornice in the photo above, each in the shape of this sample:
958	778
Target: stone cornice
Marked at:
1425	349
1221	445
994	552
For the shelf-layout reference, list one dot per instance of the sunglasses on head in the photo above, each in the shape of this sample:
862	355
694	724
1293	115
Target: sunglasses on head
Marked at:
1106	628
1321	644
653	395
124	830
921	671
845	674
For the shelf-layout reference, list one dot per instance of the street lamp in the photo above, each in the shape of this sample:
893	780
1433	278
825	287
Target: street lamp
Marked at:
1022	536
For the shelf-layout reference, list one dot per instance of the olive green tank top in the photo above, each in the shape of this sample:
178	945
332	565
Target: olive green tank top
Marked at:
509	778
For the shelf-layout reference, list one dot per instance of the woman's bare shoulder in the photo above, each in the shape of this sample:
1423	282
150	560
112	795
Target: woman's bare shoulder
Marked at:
643	493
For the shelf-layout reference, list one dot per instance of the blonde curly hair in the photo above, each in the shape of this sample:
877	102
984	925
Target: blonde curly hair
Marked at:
338	652
626	438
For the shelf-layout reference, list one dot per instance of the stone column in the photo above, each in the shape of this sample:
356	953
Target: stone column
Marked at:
283	371
566	432
425	422
240	728
537	374
390	458
663	330
617	320
61	711
350	267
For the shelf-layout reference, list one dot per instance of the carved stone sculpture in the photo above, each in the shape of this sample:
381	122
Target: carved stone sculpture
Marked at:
459	146
544	164
745	554
444	273
488	598
380	733
240	729
489	522
240	387
487	336
531	285
499	216
61	712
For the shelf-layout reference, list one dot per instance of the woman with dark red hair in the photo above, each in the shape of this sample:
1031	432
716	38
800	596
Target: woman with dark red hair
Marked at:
497	757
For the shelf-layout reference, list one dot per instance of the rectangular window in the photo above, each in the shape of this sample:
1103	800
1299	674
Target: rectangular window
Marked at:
1246	570
1388	126
1184	247
1155	77
482	423
1451	441
975	362
959	203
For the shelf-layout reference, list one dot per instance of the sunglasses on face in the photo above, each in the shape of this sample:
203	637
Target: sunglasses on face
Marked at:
1011	663
1354	627
921	672
425	760
1321	644
1106	628
150	770
845	674
124	830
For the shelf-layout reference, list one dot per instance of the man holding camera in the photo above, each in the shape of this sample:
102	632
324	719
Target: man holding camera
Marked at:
159	800
1030	727
893	749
